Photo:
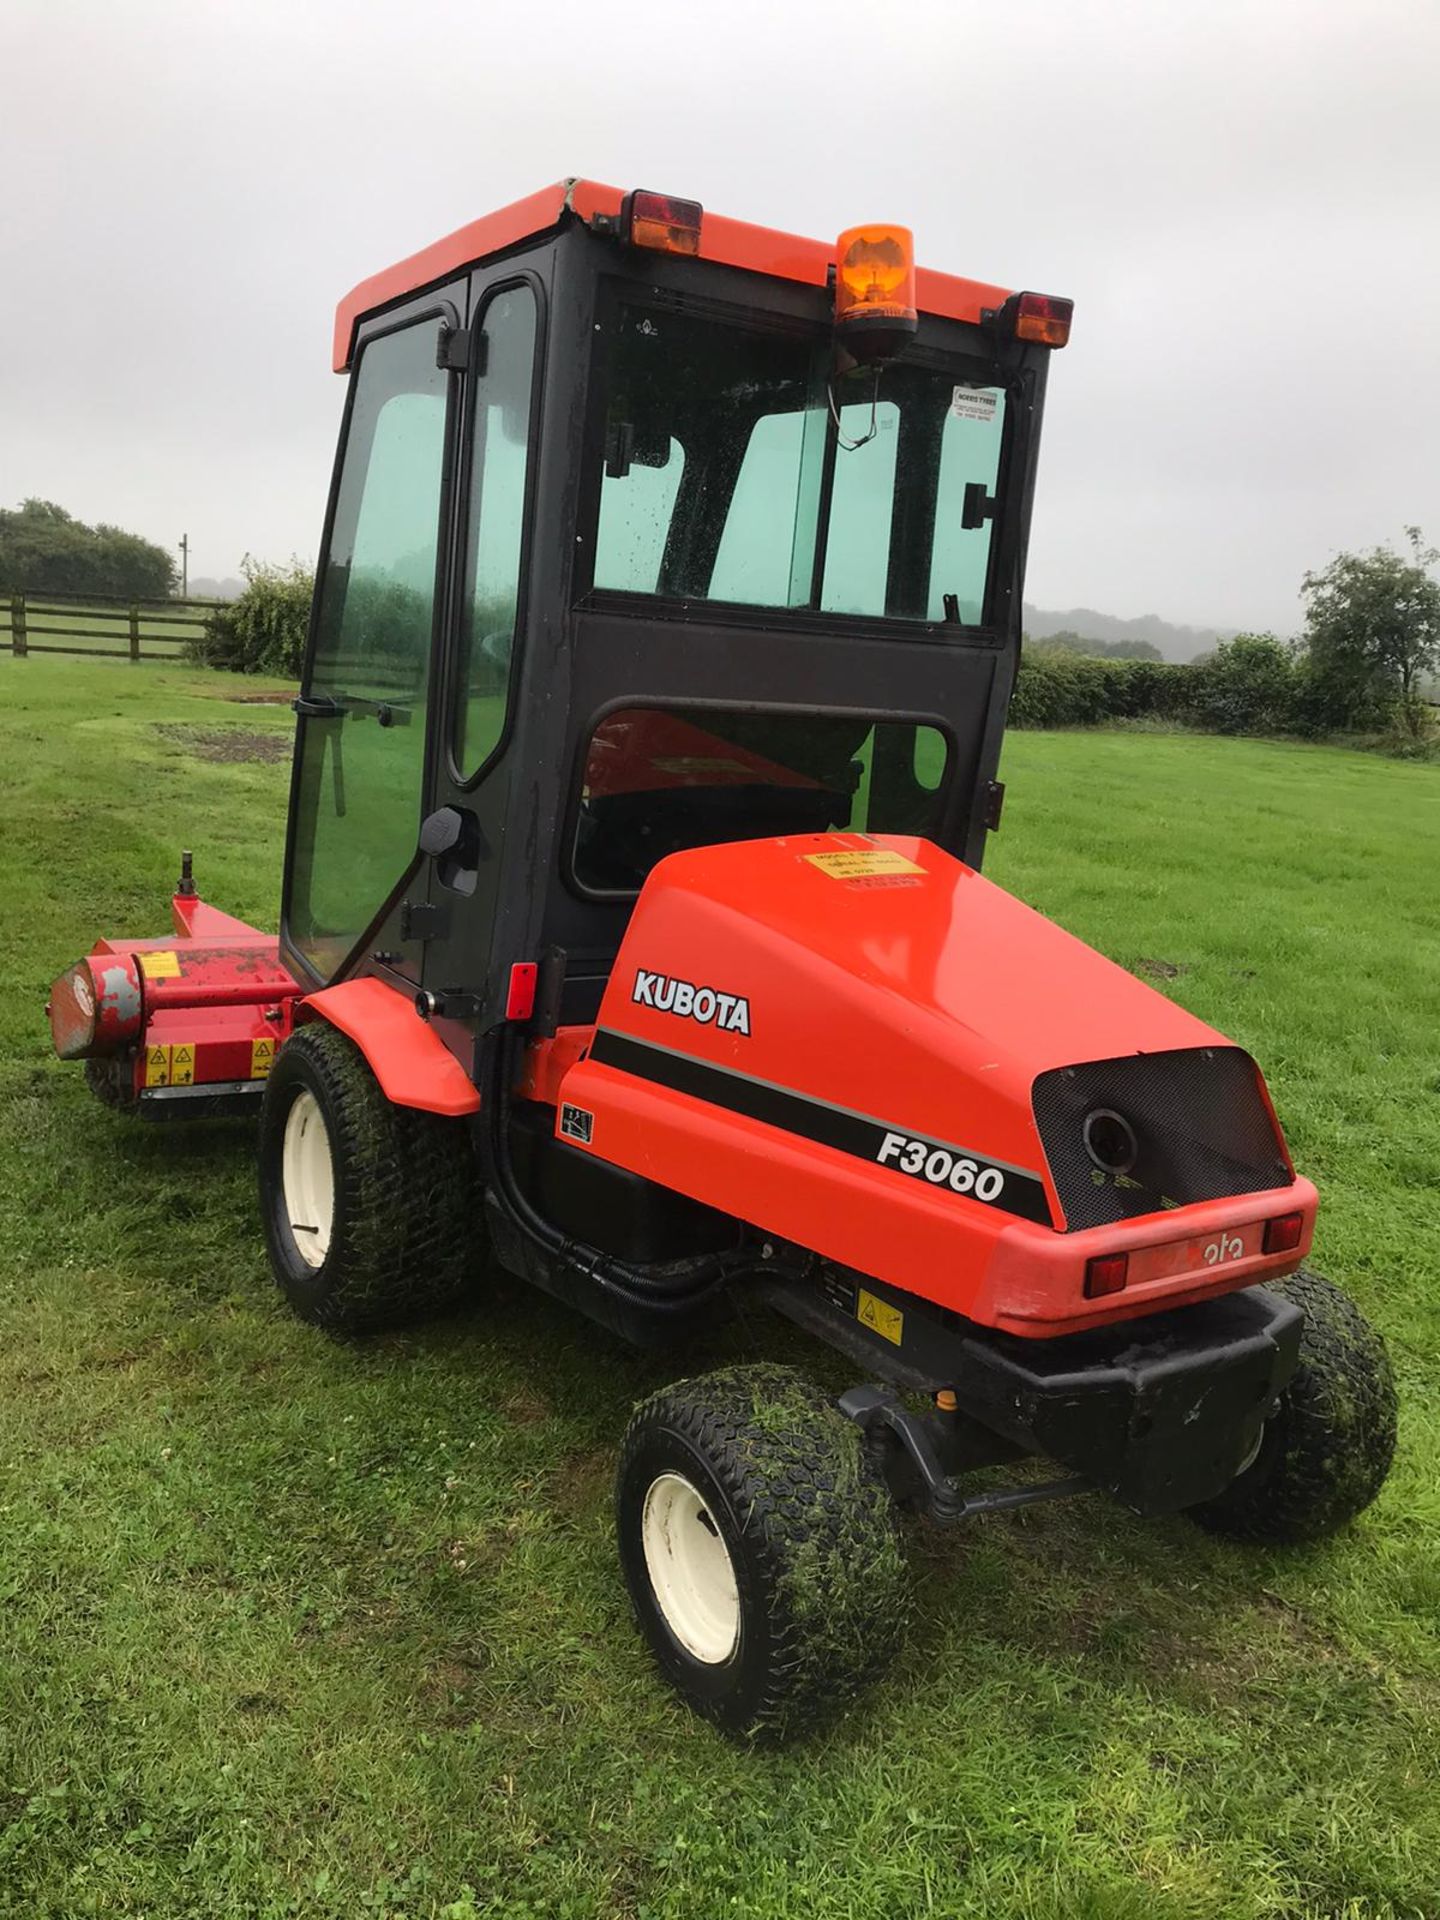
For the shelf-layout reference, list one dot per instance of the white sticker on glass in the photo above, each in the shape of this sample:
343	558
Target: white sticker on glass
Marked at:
975	403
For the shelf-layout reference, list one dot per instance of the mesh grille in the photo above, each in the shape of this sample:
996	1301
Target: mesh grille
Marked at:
1200	1126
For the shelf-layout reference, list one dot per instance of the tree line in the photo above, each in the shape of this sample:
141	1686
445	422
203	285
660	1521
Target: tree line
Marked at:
1362	664
45	549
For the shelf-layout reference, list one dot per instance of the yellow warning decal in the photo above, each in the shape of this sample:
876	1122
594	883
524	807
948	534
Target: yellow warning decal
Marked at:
160	966
157	1066
887	1321
182	1064
262	1058
858	864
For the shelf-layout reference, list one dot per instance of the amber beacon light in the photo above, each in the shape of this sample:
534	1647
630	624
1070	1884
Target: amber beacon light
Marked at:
875	290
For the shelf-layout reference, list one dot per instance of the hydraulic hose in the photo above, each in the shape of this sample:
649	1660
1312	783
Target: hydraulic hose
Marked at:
671	1287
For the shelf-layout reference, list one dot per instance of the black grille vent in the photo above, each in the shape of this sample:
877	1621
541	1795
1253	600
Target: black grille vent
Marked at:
1200	1125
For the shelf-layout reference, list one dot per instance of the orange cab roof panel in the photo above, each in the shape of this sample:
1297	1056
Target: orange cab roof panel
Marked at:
732	243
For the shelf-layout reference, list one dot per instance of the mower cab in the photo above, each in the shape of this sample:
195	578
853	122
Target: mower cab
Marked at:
668	616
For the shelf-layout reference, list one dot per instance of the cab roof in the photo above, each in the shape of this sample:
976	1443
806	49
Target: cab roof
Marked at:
733	243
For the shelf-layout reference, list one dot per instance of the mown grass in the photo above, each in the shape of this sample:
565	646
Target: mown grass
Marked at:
298	1627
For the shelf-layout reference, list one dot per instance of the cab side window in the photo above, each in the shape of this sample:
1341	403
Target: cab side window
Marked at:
499	472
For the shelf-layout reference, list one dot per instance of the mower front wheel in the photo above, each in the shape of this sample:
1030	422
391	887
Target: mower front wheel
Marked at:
371	1211
760	1549
1326	1449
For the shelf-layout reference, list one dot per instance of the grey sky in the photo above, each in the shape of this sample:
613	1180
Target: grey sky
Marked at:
1243	200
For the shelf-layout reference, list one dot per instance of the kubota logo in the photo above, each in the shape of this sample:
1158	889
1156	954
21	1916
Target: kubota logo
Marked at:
728	1011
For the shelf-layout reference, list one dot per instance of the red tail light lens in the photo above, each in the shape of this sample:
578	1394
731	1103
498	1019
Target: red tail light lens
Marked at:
656	220
1283	1233
1107	1273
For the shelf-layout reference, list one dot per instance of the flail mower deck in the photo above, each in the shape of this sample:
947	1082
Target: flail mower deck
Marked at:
633	933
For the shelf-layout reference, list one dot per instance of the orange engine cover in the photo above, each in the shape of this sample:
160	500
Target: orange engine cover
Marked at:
836	1038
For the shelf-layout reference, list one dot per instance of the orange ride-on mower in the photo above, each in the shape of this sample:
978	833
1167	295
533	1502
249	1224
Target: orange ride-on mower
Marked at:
633	928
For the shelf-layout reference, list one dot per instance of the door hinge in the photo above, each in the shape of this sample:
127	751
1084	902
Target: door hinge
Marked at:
450	1003
994	804
424	920
459	350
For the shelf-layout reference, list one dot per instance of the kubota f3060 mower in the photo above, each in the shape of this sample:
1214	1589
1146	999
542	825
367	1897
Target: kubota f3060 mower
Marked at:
633	928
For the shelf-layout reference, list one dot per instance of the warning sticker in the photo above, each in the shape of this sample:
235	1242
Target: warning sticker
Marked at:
262	1058
975	403
182	1064
157	1066
880	1317
862	863
160	966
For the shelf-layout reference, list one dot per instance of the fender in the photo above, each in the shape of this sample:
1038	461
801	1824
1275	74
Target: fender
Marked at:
412	1063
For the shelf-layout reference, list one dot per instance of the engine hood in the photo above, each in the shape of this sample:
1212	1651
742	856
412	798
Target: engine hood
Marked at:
882	975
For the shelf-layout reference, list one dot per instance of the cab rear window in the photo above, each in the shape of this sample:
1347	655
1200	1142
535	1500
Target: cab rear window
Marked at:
735	470
658	780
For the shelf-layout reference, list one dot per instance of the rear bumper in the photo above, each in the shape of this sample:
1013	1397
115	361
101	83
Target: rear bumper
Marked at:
1034	1280
1161	1415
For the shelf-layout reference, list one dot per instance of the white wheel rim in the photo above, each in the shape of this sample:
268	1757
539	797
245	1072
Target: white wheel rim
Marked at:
690	1571
1254	1454
307	1178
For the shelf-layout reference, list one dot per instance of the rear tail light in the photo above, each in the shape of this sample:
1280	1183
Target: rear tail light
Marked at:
1106	1273
1283	1233
1041	318
659	221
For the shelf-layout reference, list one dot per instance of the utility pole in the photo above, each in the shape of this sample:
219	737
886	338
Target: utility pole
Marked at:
184	566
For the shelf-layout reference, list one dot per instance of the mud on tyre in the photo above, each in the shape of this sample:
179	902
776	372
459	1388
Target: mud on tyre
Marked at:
399	1227
1327	1448
760	1549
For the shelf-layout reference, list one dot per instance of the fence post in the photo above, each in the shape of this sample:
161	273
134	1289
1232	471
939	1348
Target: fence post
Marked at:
134	631
17	625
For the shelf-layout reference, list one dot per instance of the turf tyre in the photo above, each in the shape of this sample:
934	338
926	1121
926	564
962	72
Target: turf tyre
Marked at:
809	1527
1327	1448
407	1232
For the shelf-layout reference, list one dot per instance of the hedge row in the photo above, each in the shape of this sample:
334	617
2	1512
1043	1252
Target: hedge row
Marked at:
1251	684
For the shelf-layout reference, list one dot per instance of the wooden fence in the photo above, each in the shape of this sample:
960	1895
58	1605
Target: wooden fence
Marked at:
100	624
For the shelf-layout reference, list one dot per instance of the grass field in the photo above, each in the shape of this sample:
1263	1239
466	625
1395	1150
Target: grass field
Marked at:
298	1627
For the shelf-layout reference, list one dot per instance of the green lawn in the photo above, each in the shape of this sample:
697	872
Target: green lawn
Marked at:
298	1627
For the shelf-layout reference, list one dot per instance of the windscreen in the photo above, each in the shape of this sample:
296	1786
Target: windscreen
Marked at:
738	469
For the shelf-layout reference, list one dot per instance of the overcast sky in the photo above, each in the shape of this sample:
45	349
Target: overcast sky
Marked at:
1243	200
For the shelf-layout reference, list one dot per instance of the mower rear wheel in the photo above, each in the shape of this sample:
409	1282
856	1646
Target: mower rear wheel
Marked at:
1325	1451
371	1211
760	1549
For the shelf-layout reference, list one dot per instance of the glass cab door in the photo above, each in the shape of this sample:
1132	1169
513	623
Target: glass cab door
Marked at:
359	784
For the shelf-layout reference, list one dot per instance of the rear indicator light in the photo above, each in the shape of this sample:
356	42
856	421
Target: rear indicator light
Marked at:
1044	319
1107	1273
1282	1234
1041	318
658	221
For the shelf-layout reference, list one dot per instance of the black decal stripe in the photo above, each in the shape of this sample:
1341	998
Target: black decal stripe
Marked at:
1023	1193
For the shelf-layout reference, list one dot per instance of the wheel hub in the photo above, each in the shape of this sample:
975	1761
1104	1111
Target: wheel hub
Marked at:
690	1569
307	1178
